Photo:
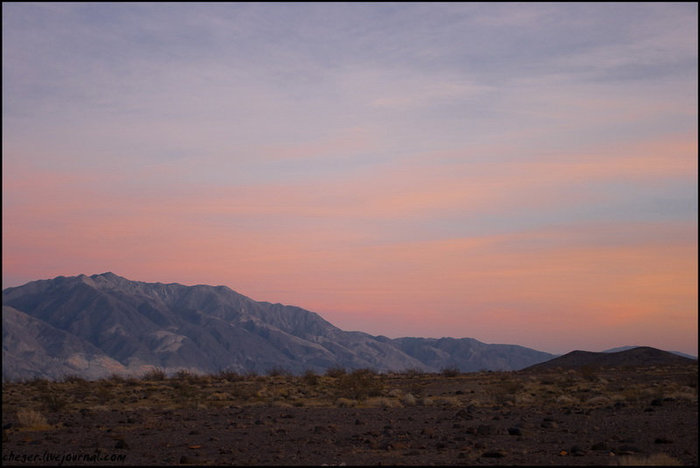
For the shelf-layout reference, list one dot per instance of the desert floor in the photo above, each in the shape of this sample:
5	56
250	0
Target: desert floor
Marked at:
625	416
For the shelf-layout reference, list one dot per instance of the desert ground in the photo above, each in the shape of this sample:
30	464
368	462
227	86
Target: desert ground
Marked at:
586	416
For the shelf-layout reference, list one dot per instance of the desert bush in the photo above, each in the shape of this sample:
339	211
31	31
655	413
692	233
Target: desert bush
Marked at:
589	372
599	400
244	390
360	384
115	379
31	419
251	374
53	401
565	400
38	382
450	371
186	393
449	401
416	388
413	372
229	376
103	393
74	379
409	400
278	372
335	372
155	375
310	378
382	402
505	391
182	375
345	403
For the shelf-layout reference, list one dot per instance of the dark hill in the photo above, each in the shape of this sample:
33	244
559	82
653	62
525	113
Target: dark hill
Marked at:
635	357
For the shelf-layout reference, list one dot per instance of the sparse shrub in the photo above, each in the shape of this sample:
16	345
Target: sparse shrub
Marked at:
448	401
413	372
310	378
505	392
155	375
53	401
565	400
38	382
409	400
103	394
74	379
244	390
416	388
186	393
382	402
589	372
182	375
598	401
251	374
116	379
230	376
335	372
450	371
278	372
31	419
345	403
360	384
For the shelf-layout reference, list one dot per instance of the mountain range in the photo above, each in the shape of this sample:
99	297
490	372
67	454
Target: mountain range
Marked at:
95	326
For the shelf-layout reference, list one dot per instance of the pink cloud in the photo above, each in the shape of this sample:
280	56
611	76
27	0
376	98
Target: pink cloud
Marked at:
322	246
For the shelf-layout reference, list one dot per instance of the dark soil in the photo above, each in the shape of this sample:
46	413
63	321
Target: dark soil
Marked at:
411	435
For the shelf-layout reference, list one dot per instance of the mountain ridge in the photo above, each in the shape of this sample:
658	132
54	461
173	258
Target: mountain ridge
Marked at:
110	324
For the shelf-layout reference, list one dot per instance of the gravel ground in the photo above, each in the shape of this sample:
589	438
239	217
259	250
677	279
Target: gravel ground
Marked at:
415	435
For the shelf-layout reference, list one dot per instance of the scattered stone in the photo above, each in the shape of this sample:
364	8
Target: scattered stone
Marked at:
494	454
484	429
577	451
656	402
599	446
662	440
464	414
627	450
121	444
515	431
549	424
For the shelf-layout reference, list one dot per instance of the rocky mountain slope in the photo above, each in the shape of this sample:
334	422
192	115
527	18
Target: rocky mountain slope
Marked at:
102	324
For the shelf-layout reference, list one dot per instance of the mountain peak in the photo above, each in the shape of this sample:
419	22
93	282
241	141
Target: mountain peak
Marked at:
107	275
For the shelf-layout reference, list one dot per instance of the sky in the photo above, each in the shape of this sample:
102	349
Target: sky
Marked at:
515	173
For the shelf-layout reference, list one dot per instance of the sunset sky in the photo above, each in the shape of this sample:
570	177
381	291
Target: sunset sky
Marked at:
515	173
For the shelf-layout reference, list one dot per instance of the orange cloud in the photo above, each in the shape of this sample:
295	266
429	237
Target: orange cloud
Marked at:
331	246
